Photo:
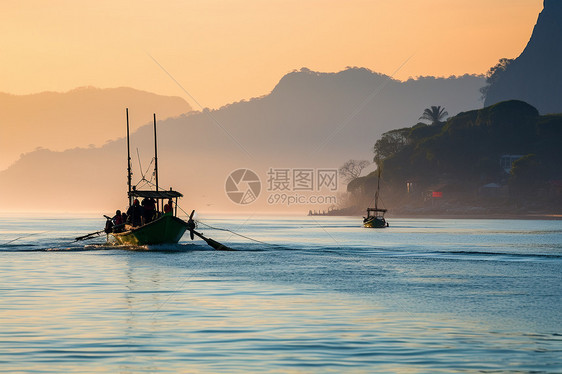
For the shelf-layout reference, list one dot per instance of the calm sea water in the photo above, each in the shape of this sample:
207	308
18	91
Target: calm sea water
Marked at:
423	296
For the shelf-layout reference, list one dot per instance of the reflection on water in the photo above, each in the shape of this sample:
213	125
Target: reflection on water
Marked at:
421	296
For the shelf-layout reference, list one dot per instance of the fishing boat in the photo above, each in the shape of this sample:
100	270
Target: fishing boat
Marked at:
167	228
162	225
375	216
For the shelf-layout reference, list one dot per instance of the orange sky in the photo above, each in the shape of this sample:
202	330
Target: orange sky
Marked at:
225	50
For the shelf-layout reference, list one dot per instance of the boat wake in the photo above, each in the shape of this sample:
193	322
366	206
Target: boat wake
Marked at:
105	247
146	248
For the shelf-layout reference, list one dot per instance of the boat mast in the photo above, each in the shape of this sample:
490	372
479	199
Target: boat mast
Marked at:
378	187
155	153
128	159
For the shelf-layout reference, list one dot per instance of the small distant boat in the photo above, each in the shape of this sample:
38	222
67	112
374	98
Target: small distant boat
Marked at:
375	216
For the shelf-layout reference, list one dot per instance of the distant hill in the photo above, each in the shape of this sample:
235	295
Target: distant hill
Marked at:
536	75
78	118
309	120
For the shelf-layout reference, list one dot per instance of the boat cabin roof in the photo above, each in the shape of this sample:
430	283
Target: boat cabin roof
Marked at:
155	194
376	210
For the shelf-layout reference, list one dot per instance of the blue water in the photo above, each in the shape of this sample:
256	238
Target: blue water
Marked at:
422	296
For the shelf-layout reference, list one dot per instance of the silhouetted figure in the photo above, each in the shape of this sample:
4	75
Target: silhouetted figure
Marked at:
169	207
134	214
149	207
118	221
108	225
118	218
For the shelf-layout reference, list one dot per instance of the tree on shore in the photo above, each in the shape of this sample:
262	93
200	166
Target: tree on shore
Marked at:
352	169
494	74
435	114
527	176
390	143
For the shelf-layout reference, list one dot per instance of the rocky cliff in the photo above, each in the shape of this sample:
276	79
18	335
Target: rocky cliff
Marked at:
536	75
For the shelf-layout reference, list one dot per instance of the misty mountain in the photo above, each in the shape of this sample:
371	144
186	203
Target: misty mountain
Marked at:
78	118
309	120
536	75
314	118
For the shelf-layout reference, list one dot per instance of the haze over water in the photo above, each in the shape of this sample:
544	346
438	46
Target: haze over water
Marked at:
421	296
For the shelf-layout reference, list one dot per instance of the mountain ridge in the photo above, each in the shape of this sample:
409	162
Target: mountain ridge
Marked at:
316	125
76	118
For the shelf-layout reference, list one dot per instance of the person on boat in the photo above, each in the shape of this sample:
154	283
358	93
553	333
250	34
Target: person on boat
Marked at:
148	205
134	214
108	225
169	207
117	218
118	221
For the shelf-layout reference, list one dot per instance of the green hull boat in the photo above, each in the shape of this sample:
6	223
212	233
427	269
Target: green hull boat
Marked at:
167	229
154	222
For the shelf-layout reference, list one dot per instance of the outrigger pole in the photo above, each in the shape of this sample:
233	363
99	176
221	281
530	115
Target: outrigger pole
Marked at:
128	159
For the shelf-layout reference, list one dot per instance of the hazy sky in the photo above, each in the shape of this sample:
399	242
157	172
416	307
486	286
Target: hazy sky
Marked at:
225	50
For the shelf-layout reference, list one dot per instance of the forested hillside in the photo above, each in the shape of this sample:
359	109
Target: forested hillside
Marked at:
505	157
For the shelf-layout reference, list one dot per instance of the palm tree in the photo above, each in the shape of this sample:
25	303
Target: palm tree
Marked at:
435	114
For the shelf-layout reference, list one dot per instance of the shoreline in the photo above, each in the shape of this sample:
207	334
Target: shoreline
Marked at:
534	216
505	216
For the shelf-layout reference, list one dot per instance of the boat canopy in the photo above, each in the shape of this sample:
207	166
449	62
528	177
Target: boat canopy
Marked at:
155	194
376	210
